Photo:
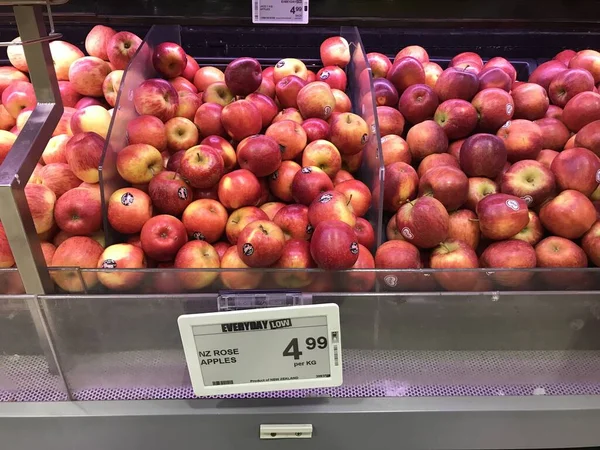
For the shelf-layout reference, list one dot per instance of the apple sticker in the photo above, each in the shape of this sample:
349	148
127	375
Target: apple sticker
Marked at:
513	204
509	109
309	229
391	280
109	264
306	170
127	199
198	236
325	198
526	198
327	110
280	64
364	138
275	175
324	75
598	176
354	248
182	193
407	233
248	249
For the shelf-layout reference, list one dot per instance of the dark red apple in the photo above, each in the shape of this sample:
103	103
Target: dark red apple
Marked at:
423	222
418	103
483	155
334	245
243	76
447	184
458	118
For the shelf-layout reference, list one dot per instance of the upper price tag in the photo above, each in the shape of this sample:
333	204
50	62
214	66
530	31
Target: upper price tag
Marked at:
260	350
280	11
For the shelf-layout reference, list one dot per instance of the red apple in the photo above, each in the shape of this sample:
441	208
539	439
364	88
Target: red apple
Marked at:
190	68
358	195
588	60
238	279
243	76
219	93
78	252
87	75
363	280
331	205
447	184
418	103
68	94
259	154
272	208
188	105
494	77
121	48
260	243
202	166
546	72
205	76
554	133
530	181
565	56
334	76
335	51
531	101
293	221
582	109
138	163
205	219
84	154
182	134
91	118
591	244
568	84
365	233
121	256
290	136
425	139
197	255
59	178
398	255
405	72
578	169
156	97
19	95
226	150
570	214
239	188
289	66
511	254
557	252
170	193
379	63
267	87
533	232
522	139
457	83
554	112
79	212
546	157
483	155
334	245
315	129
148	130
432	73
295	255
400	185
316	100
390	121
395	149
495	107
238	220
308	183
280	181
501	216
128	210
208	120
436	160
55	151
454	254
589	137
423	222
287	90
169	59
386	94
265	105
162	236
458	118
463	225
241	119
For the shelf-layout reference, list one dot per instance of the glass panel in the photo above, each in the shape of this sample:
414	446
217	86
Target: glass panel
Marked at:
25	375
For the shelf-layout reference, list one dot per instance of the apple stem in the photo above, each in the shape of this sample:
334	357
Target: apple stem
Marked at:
444	246
473	220
349	200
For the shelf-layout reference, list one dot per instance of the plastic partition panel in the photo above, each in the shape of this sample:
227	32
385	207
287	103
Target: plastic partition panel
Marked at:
24	372
425	345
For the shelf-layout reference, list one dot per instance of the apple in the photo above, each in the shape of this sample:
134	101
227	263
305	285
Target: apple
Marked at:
510	254
241	119
162	236
222	247
365	233
202	166
181	84
395	149
280	181
570	143
343	104
79	212
121	256
529	180
423	222
91	118
156	97
272	208
41	201
188	105
447	184
463	225
239	219
56	149
546	72
533	232
169	59
7	121
531	101
582	109
316	100
59	178
295	255
267	87
290	136
454	254
387	95
293	221
554	133
546	157
522	139
96	41
570	214
568	84
578	169
501	216
335	51
239	188
352	163
289	66
170	193
467	57
260	243
208	120
334	76
289	114
315	129
558	252
197	255
207	75
324	155
84	154
121	49
308	183
259	154
358	195
483	155
391	230
68	94
19	95
87	75
331	205
379	63
494	77
219	93
456	83
390	121
128	210
48	249
591	244
182	134
334	245
565	56
400	185
589	137
432	73
84	102
495	107
405	72
414	51
426	138
238	279
7	139
138	163
205	219
243	76
458	118
287	91
148	130
436	160
554	112
588	60
418	103
110	86
265	105
8	75
79	252
502	63
398	255
226	149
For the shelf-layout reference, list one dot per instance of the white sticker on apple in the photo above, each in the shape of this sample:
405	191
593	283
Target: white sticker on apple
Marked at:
109	264
506	125
130	95
182	193
509	109
306	170
325	198
327	110
527	199
248	249
513	204
198	236
407	233
391	280
324	75
127	199
354	248
598	176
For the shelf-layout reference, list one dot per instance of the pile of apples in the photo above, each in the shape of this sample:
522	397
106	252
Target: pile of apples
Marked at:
486	171
246	168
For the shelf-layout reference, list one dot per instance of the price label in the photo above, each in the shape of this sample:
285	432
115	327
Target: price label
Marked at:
261	350
280	11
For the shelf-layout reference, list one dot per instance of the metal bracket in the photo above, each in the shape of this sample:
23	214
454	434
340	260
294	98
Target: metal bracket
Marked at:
51	36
